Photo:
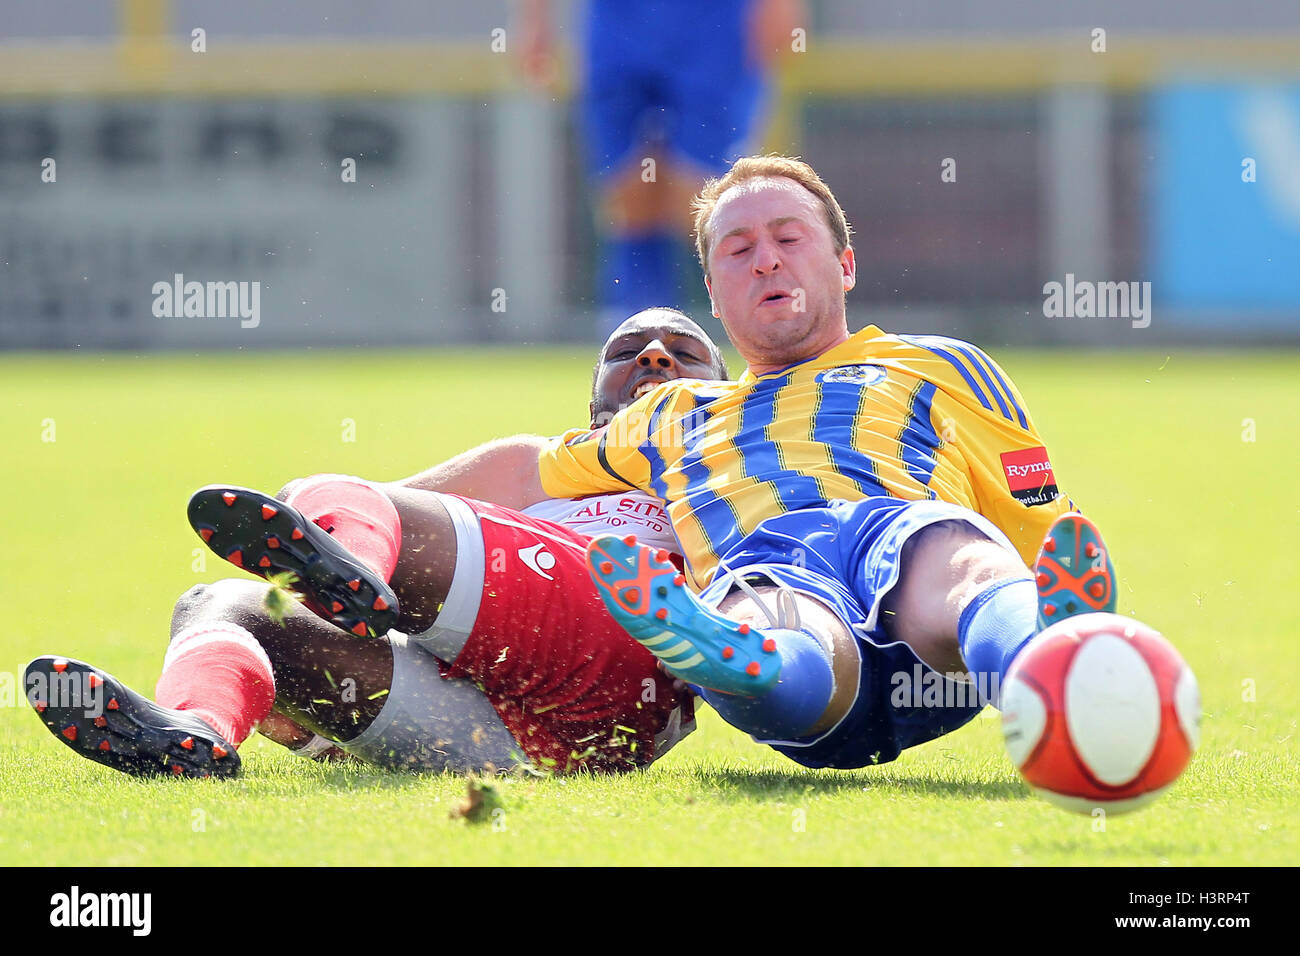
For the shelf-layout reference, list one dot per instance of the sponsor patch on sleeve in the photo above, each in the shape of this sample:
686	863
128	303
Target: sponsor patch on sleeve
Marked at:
1029	475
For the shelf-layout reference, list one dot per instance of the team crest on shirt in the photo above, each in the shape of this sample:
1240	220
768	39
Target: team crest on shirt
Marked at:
856	375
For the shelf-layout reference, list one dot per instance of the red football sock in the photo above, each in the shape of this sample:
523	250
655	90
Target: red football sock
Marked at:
357	514
220	674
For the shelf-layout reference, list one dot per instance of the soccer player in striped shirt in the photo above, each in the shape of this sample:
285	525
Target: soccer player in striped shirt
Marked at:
852	507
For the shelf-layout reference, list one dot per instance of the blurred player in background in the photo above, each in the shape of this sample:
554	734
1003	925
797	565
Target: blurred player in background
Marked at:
511	656
670	93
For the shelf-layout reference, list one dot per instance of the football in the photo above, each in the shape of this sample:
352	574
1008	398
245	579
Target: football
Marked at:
1100	711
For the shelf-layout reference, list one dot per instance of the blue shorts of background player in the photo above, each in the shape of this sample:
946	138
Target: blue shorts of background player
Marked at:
846	556
676	73
675	81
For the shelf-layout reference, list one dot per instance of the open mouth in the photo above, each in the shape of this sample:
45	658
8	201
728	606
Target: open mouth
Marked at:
646	387
777	296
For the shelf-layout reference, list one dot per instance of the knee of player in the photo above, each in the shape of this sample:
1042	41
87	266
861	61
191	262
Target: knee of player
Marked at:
192	598
956	554
981	562
188	607
216	601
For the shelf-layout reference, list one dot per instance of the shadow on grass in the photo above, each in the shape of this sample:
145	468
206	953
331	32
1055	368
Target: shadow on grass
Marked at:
1094	845
341	776
757	783
771	784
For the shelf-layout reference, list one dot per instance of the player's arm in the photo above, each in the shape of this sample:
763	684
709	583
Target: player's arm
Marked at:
610	458
535	27
523	470
987	430
1012	476
771	27
504	472
1015	488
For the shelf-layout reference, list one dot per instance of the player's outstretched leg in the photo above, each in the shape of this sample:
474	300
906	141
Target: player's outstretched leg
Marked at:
1073	571
773	682
266	536
645	593
101	718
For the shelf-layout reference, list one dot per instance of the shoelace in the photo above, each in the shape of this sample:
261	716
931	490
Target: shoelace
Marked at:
787	608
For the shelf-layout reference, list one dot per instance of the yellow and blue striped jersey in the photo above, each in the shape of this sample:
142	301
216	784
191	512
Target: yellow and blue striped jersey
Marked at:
911	417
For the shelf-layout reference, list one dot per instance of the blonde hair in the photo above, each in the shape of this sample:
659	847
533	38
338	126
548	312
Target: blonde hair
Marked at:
759	167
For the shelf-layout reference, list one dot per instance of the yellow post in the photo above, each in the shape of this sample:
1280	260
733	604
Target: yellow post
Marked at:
142	31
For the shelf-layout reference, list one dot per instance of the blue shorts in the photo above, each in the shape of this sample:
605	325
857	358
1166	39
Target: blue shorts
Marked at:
846	555
670	72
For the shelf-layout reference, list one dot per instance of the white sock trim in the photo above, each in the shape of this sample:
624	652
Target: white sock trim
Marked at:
213	632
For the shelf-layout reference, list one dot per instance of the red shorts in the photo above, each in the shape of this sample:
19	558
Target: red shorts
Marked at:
568	682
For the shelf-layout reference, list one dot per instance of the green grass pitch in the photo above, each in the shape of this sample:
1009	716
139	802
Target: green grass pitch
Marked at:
1185	461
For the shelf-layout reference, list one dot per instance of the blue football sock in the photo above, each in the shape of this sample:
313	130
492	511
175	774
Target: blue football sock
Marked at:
639	272
994	627
800	696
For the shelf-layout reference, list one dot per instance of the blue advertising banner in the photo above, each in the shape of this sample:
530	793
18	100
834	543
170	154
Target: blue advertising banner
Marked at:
1225	189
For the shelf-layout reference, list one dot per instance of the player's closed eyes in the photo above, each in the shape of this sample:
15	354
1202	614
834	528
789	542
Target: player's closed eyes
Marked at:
682	355
744	249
